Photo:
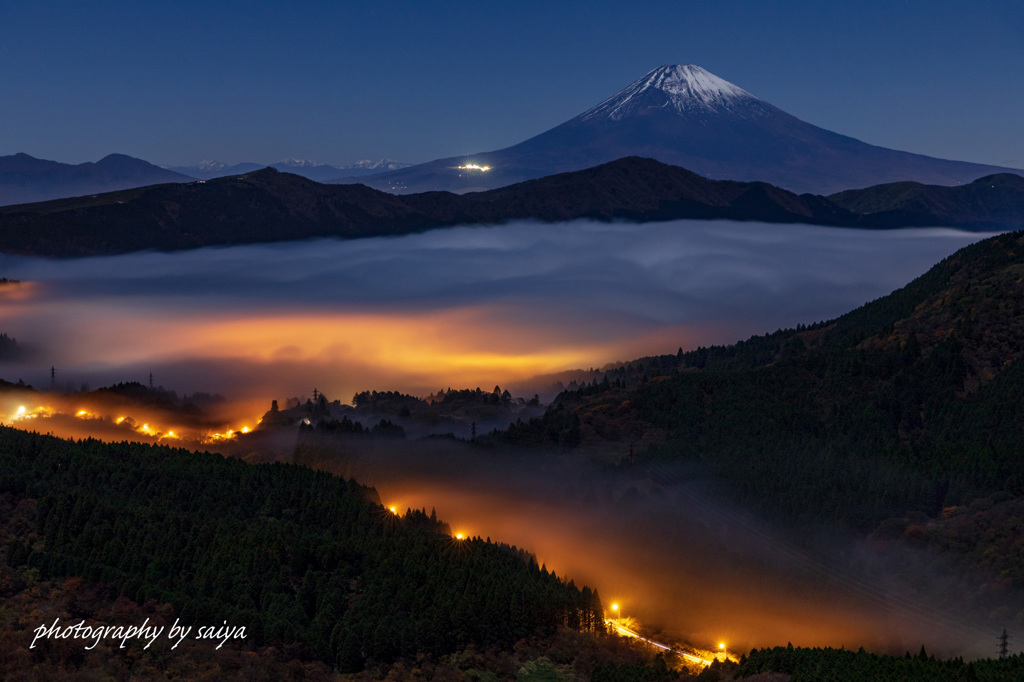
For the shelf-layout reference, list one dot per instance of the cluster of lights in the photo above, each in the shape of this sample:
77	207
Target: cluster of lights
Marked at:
473	166
128	422
230	434
23	413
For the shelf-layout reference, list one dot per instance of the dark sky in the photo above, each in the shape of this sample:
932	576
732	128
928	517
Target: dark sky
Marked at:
176	83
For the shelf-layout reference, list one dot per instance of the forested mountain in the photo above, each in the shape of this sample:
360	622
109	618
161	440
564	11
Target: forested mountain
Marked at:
301	559
267	206
796	664
994	200
905	411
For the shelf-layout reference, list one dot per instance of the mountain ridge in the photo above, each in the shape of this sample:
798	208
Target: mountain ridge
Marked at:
24	178
888	420
268	206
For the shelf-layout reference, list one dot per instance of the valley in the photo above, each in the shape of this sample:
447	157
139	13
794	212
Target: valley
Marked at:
582	503
512	342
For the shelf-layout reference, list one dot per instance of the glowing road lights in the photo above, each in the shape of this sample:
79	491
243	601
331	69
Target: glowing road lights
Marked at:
473	166
725	654
155	428
460	536
615	610
627	632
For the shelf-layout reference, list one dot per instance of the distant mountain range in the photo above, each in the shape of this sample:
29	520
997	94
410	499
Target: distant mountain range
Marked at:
686	116
267	206
24	178
679	115
314	170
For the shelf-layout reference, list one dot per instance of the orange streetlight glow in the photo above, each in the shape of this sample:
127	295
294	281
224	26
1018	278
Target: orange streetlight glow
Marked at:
460	536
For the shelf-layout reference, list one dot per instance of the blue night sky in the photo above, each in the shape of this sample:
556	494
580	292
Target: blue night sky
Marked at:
176	83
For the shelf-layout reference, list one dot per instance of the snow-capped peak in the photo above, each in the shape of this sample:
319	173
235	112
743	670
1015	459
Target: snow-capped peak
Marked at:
299	163
211	165
380	164
683	87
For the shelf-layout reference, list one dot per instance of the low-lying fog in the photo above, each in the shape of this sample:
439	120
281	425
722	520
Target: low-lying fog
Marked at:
662	542
480	306
461	307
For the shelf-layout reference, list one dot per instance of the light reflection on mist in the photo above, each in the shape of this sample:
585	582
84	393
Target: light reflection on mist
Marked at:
469	307
460	307
659	541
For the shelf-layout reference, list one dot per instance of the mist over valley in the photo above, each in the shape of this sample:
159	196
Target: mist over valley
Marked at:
512	305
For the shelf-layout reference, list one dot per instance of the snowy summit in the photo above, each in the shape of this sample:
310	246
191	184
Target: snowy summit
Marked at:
683	87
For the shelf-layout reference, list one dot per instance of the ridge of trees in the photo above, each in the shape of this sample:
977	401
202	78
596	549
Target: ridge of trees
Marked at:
910	404
841	665
299	557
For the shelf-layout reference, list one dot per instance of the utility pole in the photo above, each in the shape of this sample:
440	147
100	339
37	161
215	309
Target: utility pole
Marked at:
53	378
1004	644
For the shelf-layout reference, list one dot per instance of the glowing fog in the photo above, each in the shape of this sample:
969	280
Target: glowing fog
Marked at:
461	307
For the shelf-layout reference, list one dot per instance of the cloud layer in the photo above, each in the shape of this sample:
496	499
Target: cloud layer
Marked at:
456	307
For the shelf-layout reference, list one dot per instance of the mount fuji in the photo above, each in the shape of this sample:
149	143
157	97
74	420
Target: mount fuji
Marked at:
685	116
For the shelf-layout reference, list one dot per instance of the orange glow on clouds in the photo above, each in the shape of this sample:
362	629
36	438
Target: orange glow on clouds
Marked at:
461	308
342	351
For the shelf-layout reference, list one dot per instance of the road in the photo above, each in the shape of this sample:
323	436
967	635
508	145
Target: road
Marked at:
626	632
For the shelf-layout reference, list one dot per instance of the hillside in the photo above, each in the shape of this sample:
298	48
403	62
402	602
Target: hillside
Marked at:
267	206
303	560
882	420
994	200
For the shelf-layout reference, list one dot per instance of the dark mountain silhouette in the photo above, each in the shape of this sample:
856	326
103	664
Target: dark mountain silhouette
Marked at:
320	172
685	116
267	206
992	201
24	178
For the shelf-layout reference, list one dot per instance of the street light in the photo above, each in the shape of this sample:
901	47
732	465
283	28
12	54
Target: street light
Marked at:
615	608
725	654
